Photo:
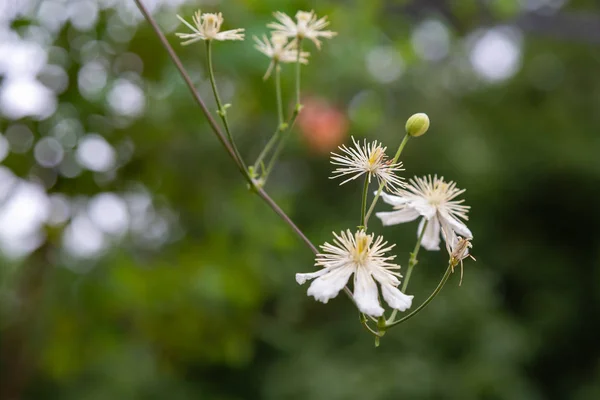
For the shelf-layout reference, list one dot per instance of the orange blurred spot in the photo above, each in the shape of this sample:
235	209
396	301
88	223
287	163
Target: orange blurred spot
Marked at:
323	126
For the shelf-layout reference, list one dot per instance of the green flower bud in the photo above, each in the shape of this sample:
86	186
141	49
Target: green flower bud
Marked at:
417	124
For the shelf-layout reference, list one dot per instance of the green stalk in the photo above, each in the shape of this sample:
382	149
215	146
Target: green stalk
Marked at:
220	110
426	302
298	104
382	184
285	133
280	124
412	261
363	208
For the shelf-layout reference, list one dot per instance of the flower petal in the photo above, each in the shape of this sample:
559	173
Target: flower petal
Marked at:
393	200
395	298
365	293
456	225
449	236
301	278
431	238
424	208
329	284
398	217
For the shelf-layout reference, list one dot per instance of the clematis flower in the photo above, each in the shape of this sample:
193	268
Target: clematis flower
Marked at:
433	199
306	26
367	159
206	27
279	50
364	257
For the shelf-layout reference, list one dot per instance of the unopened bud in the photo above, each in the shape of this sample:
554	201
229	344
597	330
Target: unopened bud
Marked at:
417	124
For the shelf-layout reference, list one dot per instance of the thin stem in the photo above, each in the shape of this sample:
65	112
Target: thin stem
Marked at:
267	148
280	124
365	323
412	261
220	109
298	104
278	94
382	184
211	121
426	302
285	134
288	128
413	257
363	207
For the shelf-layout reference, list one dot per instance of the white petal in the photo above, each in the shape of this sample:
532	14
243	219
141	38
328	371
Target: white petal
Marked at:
392	200
449	236
398	217
301	278
424	208
329	285
458	226
431	238
365	293
395	298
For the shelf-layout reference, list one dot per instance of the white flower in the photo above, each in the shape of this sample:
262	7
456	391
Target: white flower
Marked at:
432	198
279	50
207	27
306	26
357	254
367	159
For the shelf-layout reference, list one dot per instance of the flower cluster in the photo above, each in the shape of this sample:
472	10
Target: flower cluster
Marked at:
352	253
431	198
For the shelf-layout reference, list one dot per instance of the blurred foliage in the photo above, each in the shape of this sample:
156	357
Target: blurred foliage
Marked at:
212	309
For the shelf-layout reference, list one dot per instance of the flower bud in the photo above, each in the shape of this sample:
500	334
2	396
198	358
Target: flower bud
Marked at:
417	124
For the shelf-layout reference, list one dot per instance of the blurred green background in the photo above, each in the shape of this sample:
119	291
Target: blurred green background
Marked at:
136	265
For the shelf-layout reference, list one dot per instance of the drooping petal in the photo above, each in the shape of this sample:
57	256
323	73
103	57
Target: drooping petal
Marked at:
449	236
393	200
456	225
395	298
365	293
329	284
301	278
431	238
397	217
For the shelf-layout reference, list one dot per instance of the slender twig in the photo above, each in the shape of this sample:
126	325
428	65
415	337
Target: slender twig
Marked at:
363	206
280	117
412	261
282	141
211	121
280	123
413	256
221	110
426	302
188	82
288	128
298	65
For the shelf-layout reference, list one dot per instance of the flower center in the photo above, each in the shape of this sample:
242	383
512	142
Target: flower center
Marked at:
303	19
210	25
438	194
375	159
361	251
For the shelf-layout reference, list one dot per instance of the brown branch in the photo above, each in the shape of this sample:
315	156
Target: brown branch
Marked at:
261	193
